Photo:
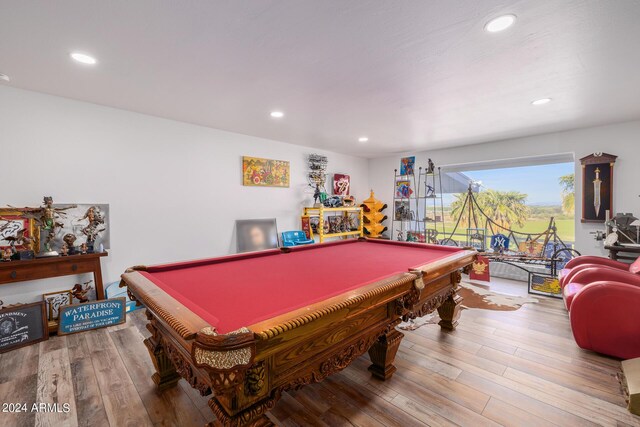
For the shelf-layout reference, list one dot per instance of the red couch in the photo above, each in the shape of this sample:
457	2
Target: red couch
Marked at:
604	309
587	261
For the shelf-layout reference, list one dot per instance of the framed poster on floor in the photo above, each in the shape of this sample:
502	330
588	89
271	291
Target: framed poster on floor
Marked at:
22	325
544	284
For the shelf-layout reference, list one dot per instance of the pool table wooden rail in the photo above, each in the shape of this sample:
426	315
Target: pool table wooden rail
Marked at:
247	370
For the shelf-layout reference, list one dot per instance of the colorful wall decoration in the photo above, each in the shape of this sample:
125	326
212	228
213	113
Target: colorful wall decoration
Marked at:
597	186
12	224
403	189
341	184
265	172
407	165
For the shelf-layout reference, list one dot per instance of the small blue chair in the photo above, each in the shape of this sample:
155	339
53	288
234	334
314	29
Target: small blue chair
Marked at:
295	238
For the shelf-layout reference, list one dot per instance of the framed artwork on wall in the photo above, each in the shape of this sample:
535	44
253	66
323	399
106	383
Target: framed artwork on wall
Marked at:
13	227
341	184
597	186
407	165
403	189
78	224
265	172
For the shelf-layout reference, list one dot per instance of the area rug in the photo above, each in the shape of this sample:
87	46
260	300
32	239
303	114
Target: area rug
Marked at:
478	297
482	297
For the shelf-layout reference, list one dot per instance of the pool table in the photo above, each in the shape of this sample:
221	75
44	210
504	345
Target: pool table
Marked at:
249	327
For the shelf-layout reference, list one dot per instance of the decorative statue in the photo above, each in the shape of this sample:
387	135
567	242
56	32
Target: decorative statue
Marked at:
92	229
430	192
47	218
64	251
316	195
84	248
69	240
80	292
430	166
6	254
18	240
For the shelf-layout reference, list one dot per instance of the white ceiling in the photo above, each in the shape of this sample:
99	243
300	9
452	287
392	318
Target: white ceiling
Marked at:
410	75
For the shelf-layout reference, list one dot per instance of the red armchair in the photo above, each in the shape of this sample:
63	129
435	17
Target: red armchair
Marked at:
604	309
582	262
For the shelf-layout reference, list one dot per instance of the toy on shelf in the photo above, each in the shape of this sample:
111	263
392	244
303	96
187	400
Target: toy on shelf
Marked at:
373	216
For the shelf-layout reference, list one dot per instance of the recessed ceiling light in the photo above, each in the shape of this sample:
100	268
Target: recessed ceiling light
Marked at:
363	139
541	101
277	114
500	23
4	77
83	58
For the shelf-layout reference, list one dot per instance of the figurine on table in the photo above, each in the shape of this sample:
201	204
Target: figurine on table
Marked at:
69	240
64	250
92	229
6	254
20	239
84	248
47	218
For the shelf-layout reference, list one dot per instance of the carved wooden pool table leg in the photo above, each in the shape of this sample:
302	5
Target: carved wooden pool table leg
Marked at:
383	353
165	375
449	312
254	416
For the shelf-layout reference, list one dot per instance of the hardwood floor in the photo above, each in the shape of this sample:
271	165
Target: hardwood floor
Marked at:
517	368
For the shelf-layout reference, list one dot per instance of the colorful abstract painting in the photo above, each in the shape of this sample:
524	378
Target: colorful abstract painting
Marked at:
265	172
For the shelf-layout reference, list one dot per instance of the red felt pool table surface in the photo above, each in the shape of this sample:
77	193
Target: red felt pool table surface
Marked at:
240	290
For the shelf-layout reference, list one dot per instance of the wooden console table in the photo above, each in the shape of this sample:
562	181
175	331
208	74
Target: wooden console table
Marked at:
613	252
44	268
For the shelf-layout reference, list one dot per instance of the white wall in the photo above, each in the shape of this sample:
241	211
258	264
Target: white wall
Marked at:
174	189
622	140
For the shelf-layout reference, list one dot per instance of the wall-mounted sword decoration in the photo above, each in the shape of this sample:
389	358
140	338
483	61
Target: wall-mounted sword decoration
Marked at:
597	187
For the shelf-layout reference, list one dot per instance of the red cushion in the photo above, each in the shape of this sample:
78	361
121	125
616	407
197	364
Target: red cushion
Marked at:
635	267
605	318
569	292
